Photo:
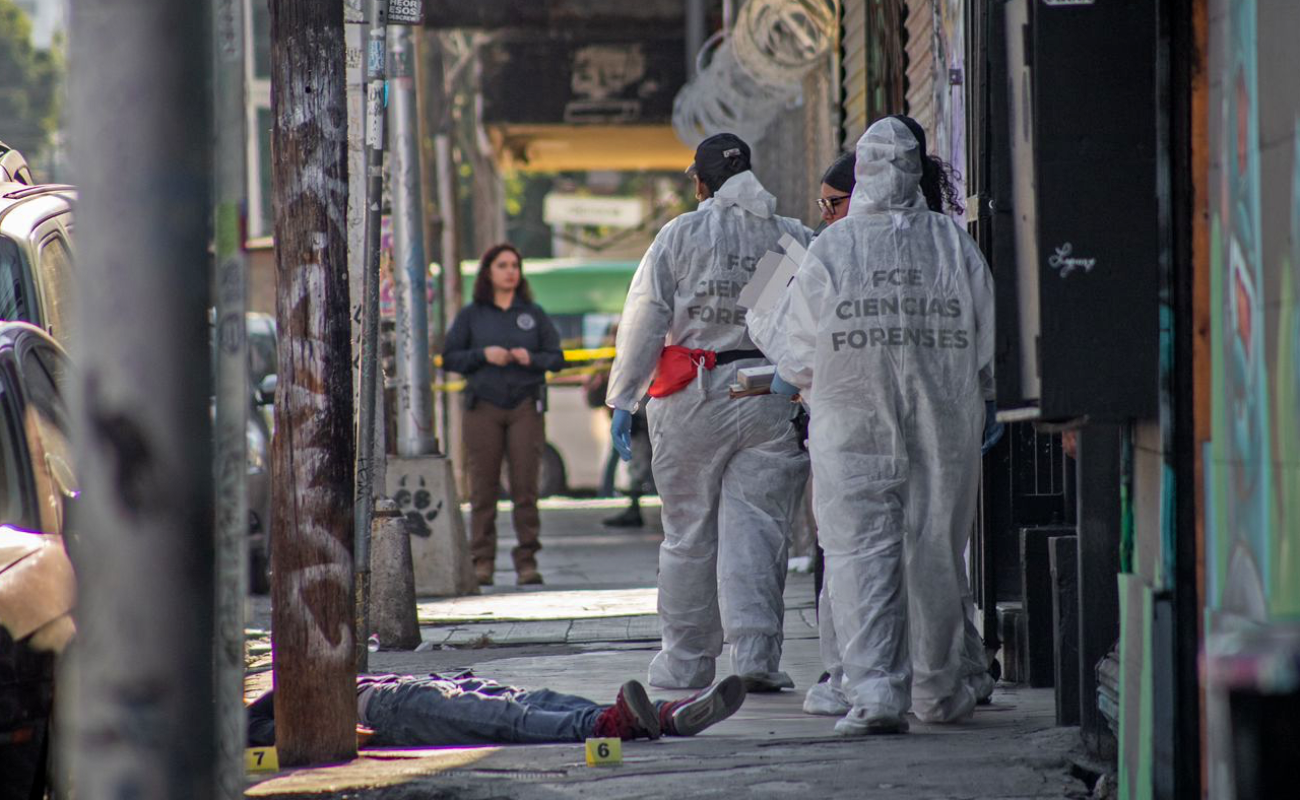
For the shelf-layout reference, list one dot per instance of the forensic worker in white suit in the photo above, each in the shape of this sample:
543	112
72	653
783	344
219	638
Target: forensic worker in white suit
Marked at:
888	326
730	472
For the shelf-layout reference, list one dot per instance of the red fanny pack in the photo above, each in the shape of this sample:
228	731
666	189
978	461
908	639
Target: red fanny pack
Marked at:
678	366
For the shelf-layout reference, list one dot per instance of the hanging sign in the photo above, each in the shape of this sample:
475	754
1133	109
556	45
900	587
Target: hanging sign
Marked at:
400	12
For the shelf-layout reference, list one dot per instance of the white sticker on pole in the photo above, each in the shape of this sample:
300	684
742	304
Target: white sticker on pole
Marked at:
375	115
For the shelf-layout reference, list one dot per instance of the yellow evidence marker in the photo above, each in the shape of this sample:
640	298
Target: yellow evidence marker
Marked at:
261	759
604	752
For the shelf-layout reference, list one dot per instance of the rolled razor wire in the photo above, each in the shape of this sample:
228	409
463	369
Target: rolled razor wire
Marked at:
778	41
755	71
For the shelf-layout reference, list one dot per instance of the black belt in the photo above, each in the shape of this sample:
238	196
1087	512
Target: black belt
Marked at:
728	356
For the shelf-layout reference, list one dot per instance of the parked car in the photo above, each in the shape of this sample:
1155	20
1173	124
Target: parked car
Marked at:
38	487
262	364
36	256
260	333
13	167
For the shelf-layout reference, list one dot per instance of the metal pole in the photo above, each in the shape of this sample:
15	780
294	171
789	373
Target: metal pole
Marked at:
432	105
449	281
428	69
694	33
136	702
377	74
232	392
411	268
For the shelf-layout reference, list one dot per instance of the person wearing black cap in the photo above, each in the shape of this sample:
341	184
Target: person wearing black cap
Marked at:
889	323
730	472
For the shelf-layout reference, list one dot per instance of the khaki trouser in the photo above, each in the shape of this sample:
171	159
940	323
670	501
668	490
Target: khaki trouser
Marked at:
518	435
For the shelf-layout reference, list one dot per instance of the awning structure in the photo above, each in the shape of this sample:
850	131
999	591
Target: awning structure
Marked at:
584	100
558	148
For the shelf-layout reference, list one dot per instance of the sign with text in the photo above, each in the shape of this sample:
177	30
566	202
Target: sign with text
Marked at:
261	759
400	12
572	209
604	752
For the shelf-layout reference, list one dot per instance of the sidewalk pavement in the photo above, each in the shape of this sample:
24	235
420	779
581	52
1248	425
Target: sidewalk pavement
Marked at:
592	627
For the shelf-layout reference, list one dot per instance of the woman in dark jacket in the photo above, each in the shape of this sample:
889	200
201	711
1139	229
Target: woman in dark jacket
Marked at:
504	344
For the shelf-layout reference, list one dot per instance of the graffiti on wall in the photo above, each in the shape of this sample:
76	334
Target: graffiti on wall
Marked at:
1252	504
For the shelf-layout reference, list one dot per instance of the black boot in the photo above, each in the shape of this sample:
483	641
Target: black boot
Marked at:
629	518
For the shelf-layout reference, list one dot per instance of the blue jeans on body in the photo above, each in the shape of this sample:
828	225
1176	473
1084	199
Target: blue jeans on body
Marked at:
465	710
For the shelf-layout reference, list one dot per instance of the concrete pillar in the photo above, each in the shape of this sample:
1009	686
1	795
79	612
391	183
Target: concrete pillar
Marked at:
424	489
392	579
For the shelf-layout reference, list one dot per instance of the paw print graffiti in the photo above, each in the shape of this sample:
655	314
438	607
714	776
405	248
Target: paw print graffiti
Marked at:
416	504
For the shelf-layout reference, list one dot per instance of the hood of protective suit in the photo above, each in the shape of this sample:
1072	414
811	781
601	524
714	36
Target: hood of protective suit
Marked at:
888	170
745	191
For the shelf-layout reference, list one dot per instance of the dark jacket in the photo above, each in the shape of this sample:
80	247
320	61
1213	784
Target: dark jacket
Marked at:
523	325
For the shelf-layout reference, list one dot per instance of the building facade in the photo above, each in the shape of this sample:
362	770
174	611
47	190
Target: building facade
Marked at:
1176	464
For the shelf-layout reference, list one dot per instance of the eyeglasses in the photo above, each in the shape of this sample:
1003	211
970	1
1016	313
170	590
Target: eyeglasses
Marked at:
827	204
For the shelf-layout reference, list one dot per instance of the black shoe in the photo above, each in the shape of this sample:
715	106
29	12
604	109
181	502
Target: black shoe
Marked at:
629	518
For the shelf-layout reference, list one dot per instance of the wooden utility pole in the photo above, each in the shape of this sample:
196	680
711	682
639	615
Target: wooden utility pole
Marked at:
136	705
312	457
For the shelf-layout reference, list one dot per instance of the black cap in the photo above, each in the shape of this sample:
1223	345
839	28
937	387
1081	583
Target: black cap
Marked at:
719	157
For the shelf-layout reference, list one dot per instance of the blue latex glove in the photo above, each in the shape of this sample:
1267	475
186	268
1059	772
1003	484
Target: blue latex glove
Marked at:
620	430
783	388
992	428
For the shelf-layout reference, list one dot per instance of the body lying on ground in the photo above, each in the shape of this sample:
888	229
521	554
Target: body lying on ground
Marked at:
463	709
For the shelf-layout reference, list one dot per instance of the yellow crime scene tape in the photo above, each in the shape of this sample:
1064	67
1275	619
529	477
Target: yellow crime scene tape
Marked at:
577	354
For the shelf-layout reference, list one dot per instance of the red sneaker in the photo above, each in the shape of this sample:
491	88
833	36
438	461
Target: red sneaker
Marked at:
631	717
690	715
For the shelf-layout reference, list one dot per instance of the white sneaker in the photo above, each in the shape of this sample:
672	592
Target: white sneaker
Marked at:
859	723
824	700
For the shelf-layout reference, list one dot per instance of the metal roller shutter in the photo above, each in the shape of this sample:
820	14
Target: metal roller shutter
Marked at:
871	63
853	65
919	25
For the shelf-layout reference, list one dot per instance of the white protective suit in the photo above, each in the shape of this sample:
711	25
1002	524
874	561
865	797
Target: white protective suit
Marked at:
730	472
889	322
